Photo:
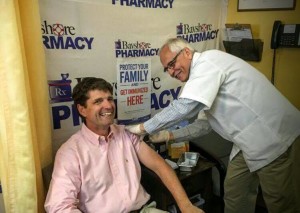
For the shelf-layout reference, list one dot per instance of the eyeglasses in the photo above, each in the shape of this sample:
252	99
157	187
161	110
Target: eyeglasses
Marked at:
172	63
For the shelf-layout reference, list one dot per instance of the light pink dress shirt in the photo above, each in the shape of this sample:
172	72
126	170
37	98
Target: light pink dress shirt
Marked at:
93	175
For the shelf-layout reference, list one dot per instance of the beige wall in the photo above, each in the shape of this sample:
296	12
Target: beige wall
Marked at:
287	67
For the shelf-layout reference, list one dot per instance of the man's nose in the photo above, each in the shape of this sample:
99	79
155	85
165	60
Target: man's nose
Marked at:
108	103
171	72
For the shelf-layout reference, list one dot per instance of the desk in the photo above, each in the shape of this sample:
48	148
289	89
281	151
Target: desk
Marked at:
195	182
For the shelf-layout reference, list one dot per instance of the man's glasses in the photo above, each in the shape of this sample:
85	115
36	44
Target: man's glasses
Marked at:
172	63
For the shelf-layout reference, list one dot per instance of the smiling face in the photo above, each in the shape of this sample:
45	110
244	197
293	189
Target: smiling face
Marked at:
99	111
177	64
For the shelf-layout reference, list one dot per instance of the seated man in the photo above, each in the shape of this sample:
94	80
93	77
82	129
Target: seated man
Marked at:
98	169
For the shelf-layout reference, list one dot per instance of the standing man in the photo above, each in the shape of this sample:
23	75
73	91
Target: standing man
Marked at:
243	107
98	168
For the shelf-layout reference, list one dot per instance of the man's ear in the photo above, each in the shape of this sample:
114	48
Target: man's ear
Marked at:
188	53
81	110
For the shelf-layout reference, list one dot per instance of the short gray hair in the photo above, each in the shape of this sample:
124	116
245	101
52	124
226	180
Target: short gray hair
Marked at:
176	44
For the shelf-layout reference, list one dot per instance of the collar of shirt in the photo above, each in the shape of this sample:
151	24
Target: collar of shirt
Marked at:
196	56
95	138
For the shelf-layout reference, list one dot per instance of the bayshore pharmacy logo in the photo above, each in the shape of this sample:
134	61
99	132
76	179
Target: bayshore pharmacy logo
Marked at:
126	49
60	36
163	4
196	33
60	90
58	29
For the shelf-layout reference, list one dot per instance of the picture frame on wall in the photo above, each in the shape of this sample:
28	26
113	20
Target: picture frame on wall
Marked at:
257	5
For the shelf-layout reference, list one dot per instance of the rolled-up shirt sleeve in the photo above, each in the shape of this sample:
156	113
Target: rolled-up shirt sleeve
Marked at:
177	111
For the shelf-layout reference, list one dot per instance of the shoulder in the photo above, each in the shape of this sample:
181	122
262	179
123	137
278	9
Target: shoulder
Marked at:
71	145
213	53
120	131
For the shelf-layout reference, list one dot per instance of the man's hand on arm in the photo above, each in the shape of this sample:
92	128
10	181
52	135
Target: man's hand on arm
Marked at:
162	136
137	129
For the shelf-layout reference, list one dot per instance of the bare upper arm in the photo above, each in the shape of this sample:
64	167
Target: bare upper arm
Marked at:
150	158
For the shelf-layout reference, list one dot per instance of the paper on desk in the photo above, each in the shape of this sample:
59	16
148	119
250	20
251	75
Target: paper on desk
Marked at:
172	163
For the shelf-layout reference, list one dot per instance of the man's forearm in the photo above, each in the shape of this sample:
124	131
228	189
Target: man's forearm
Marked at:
157	164
194	130
171	181
169	116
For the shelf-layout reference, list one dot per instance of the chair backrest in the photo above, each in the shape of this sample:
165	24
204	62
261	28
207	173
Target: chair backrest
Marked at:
47	175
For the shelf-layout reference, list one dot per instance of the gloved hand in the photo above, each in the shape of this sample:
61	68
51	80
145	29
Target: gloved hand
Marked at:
162	136
136	129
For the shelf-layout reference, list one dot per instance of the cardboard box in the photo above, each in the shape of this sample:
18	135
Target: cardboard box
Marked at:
175	150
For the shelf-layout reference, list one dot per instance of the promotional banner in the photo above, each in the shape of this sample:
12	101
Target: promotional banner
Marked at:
92	38
134	87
